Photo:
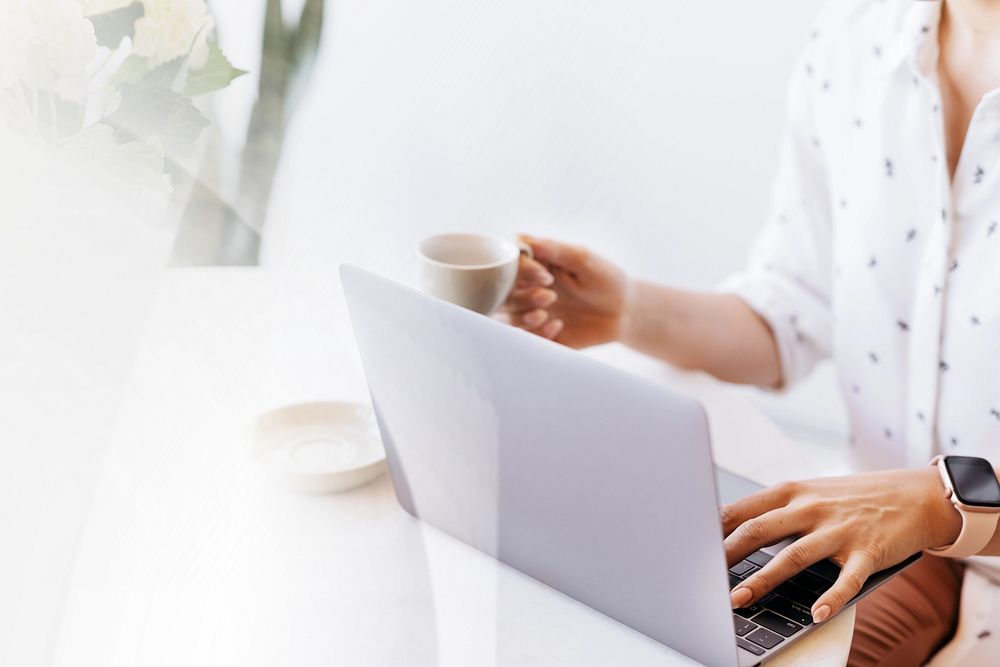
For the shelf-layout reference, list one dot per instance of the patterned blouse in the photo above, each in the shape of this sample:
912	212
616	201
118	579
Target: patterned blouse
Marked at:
875	256
872	254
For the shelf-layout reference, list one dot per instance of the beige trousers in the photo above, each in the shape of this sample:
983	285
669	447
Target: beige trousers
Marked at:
909	618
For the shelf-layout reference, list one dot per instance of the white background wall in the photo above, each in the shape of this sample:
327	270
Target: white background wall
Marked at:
646	129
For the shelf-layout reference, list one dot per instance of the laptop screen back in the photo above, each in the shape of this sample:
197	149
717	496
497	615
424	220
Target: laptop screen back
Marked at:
593	481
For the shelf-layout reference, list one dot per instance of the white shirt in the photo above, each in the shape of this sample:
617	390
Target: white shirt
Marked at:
871	254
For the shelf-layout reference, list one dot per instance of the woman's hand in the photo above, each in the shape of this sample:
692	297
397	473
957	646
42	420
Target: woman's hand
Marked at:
574	297
864	523
568	294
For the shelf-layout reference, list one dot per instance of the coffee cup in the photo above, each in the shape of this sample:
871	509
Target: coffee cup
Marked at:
474	271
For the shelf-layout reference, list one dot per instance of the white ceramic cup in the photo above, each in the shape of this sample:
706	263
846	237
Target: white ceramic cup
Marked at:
471	270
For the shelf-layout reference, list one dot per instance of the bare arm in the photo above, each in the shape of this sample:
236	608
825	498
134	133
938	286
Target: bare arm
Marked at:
717	333
577	298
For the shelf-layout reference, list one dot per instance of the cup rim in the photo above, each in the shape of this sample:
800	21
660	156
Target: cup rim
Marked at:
467	235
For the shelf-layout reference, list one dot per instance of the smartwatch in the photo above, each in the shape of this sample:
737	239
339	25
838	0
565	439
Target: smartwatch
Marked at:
972	487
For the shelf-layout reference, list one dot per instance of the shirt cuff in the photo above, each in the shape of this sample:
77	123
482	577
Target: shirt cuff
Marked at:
798	319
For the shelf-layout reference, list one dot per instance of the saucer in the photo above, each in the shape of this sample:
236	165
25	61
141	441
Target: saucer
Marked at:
320	447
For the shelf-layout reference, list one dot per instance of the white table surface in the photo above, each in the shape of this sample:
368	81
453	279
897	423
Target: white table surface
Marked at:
193	556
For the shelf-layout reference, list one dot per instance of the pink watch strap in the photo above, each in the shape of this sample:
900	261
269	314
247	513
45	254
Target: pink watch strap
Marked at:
977	527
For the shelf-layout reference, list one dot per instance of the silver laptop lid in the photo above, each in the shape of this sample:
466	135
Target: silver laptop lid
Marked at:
592	481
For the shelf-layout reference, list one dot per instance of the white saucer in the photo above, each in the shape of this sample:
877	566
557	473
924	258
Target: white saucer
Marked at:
321	447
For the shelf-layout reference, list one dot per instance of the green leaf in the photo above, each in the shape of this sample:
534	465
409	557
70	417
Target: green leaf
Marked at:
166	75
171	74
131	69
145	111
114	26
217	73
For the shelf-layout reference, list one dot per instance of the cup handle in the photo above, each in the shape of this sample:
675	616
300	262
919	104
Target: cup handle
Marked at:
525	249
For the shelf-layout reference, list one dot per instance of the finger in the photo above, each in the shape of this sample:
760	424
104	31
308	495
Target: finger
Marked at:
859	566
531	273
531	320
552	253
552	329
761	531
738	513
791	560
528	298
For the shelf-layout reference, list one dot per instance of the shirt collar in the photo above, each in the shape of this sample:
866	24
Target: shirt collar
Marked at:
913	38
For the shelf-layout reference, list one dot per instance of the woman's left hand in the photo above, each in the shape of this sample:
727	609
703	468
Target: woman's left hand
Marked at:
864	523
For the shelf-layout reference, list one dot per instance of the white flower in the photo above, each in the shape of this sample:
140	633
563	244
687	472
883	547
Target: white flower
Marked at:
46	44
16	33
91	7
172	28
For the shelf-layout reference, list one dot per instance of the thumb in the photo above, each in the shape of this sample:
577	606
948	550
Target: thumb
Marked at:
554	254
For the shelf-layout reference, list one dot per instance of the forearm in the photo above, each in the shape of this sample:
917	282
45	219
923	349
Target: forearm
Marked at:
716	333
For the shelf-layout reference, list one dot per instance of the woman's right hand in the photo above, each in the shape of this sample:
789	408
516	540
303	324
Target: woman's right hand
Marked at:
569	295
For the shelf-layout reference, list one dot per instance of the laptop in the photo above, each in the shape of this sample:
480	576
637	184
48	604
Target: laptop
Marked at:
589	479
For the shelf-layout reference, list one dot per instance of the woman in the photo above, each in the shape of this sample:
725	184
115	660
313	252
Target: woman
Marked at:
882	251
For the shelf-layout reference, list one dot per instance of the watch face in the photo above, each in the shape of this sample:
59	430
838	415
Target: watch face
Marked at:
974	480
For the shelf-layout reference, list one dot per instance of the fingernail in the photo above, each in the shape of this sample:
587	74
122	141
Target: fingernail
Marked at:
821	614
534	318
547	278
740	597
544	298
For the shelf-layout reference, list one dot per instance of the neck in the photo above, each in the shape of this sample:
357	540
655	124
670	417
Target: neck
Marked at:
974	20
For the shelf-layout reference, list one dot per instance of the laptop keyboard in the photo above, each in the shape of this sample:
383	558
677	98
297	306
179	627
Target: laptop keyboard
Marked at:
783	613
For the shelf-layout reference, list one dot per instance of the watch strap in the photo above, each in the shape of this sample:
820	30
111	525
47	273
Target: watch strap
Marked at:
977	531
977	527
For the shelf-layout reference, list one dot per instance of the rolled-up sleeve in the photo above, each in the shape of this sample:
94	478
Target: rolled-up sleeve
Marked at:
788	276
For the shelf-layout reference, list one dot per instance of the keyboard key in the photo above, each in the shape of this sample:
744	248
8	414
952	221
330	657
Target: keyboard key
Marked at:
789	609
796	593
755	608
747	646
811	582
765	638
733	581
747	612
772	621
742	569
742	626
826	569
759	558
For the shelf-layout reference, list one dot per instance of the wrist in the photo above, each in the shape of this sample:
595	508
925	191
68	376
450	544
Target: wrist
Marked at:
628	322
944	520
